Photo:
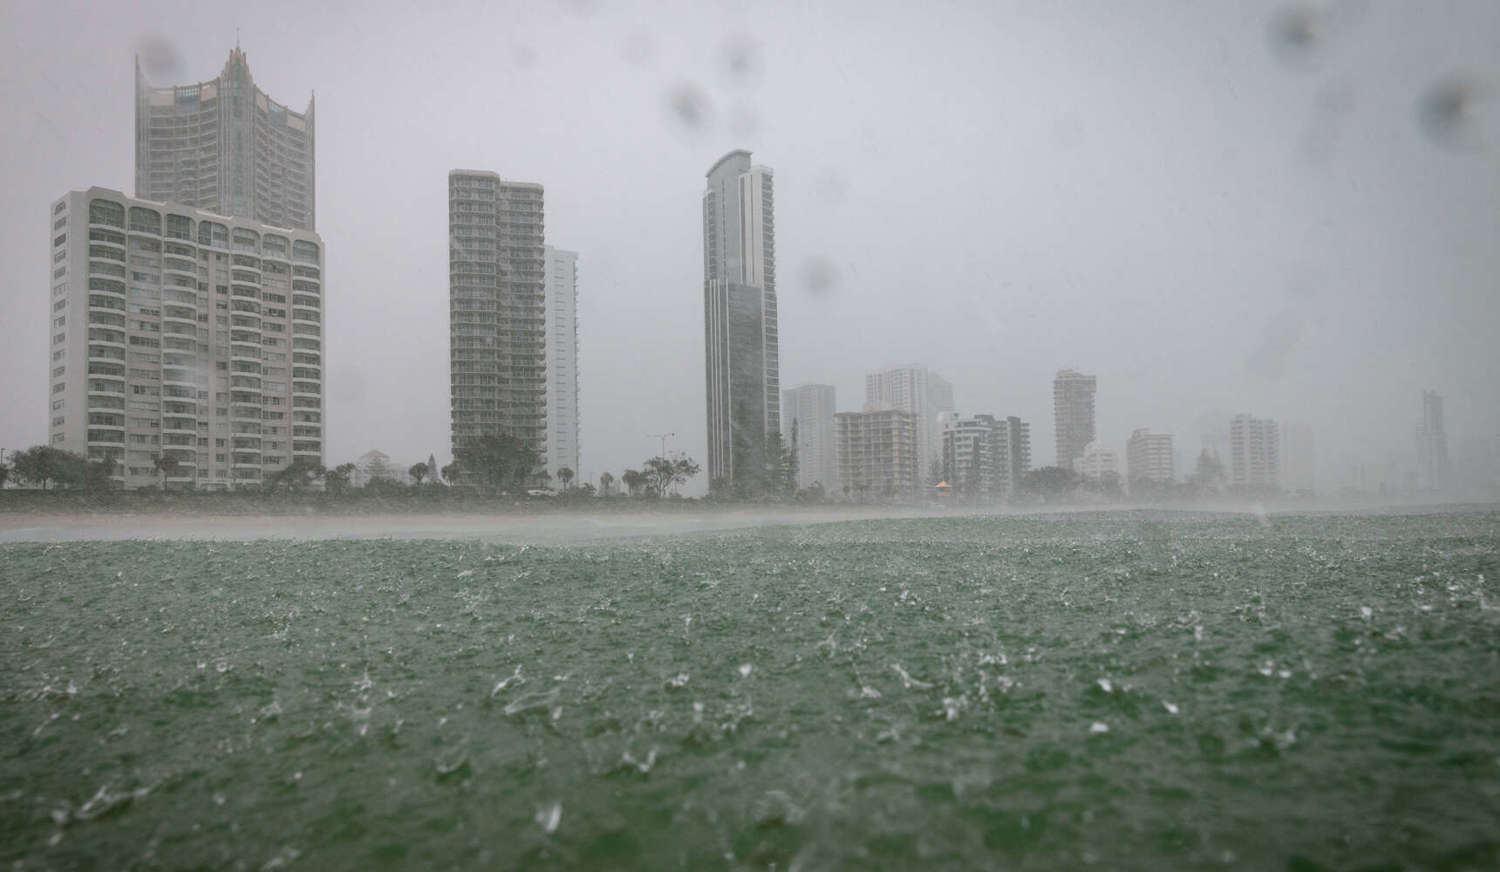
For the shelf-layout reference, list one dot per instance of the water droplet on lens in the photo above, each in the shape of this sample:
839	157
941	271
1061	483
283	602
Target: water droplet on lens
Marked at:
690	106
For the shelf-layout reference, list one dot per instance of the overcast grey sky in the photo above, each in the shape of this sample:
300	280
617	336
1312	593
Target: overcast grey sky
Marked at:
1211	206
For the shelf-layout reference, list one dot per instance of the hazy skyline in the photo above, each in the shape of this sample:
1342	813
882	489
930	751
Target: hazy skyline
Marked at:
1211	208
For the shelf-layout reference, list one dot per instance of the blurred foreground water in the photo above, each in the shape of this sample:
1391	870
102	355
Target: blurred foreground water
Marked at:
1132	690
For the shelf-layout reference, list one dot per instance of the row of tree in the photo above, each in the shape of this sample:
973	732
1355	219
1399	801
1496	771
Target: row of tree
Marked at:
46	467
498	464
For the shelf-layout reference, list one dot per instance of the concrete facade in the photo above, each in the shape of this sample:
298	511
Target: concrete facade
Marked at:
916	390
177	332
1432	443
1072	414
1149	457
497	309
1254	452
741	332
225	146
562	364
811	408
877	454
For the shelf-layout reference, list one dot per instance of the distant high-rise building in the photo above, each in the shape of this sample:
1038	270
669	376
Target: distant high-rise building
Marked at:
206	353
1016	436
1098	463
1254	452
985	456
919	391
562	361
225	146
1073	414
1432	443
810	409
1148	457
497	309
877	454
972	454
739	313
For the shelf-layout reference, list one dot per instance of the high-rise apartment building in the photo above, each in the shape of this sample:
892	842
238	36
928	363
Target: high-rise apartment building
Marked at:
1432	443
1072	414
562	362
1149	458
225	146
497	300
1016	436
877	453
973	456
739	313
808	411
186	336
1254	452
919	391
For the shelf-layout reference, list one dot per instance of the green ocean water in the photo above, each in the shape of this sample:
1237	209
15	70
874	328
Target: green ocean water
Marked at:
1123	691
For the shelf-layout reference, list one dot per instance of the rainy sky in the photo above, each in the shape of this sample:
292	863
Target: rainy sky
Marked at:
1284	209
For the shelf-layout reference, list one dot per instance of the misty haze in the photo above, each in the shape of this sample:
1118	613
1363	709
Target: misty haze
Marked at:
668	435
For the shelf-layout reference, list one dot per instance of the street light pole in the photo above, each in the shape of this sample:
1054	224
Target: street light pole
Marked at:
663	437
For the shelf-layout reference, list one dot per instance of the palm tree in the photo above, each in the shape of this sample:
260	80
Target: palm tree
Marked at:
418	472
565	475
632	480
606	481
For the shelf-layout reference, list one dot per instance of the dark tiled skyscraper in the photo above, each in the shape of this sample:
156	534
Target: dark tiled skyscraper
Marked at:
739	309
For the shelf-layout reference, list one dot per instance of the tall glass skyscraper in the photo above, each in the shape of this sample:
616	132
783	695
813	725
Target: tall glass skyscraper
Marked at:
739	308
226	147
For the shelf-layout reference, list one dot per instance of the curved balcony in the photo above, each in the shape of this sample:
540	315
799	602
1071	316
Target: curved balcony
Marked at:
109	403
107	436
245	405
97	356
178	378
106	269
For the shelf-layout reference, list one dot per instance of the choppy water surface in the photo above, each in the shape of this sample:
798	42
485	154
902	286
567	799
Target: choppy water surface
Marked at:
1133	691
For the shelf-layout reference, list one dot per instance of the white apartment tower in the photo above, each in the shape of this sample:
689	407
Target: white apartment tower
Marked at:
1073	414
562	362
1254	452
1432	443
184	335
739	313
810	408
985	457
918	391
877	452
225	146
497	309
1148	457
